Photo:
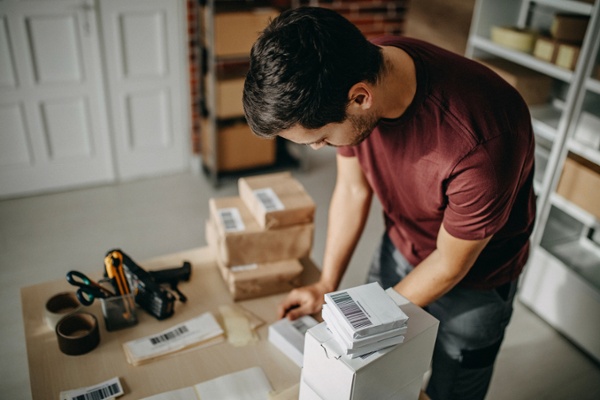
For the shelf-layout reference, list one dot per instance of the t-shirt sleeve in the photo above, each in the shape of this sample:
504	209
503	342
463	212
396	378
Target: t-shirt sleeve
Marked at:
346	151
481	193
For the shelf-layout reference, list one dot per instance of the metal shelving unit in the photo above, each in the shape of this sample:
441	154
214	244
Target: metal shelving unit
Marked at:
562	279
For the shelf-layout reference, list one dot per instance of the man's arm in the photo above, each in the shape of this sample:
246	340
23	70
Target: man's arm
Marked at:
348	211
441	270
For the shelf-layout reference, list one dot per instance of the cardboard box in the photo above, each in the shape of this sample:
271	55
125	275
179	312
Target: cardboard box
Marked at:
253	244
277	200
378	376
228	96
567	56
533	86
257	280
236	32
237	148
569	27
580	184
514	38
546	49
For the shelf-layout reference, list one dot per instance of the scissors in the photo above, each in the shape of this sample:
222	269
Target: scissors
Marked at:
88	289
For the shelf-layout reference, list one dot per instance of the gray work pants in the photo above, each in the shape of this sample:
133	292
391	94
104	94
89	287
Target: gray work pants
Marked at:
472	325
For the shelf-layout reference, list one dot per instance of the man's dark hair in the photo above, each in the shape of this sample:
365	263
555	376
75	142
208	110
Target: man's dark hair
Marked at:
301	69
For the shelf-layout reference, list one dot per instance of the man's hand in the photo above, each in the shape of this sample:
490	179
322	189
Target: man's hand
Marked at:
303	301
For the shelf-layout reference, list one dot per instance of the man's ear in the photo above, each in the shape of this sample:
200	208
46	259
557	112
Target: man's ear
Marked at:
361	95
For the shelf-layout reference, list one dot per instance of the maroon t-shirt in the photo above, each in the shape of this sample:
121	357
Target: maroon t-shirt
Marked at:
462	154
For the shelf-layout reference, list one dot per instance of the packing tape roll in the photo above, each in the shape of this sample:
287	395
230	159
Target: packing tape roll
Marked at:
59	306
78	333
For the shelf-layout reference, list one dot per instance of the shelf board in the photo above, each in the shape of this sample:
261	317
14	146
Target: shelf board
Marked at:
576	212
545	120
585	151
567	5
521	58
593	85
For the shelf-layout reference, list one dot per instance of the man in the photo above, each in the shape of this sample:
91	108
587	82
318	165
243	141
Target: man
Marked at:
445	144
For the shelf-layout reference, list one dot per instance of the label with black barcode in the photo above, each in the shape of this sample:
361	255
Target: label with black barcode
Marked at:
231	219
300	326
190	333
353	313
169	335
105	390
268	199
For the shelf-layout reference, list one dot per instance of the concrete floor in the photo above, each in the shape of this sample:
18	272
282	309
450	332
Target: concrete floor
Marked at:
44	236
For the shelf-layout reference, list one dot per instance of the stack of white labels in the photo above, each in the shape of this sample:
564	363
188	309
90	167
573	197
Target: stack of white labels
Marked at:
364	319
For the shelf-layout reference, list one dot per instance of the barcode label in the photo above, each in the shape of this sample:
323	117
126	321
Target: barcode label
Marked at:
231	219
105	390
300	326
268	199
351	310
169	335
100	394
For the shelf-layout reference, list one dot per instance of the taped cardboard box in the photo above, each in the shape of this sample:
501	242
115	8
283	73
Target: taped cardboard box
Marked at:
377	376
567	56
569	27
546	49
237	148
257	280
236	32
229	94
580	184
239	240
533	86
277	200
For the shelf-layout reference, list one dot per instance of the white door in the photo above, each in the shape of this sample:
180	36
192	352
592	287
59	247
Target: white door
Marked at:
53	120
145	62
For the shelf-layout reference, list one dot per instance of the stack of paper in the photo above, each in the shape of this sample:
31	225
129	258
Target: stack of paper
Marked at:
364	319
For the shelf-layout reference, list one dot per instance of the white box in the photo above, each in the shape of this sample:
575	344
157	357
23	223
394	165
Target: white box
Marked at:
377	376
412	391
288	336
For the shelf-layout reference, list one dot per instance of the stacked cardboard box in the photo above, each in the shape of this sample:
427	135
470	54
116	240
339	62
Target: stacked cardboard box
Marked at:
259	236
392	373
562	45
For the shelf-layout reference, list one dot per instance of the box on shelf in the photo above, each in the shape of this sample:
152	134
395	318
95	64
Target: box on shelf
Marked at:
515	38
228	96
376	376
277	200
261	279
533	86
580	184
249	243
569	27
567	55
237	148
546	49
236	32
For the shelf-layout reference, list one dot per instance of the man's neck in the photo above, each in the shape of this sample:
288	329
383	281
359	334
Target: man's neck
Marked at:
399	83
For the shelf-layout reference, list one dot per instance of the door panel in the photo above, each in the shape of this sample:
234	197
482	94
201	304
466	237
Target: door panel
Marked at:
53	120
145	67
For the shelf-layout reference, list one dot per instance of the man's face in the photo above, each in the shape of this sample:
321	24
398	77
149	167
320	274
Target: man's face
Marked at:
352	131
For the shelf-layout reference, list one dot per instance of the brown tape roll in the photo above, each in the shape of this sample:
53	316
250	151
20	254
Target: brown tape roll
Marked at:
78	333
60	305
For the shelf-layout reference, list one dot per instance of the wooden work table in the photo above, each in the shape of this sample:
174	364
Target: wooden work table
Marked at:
51	371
